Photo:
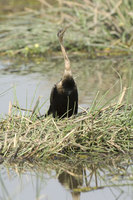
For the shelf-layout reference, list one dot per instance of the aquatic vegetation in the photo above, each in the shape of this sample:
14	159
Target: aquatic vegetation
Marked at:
106	130
99	28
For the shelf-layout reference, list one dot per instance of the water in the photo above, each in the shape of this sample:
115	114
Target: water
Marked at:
31	79
105	179
23	89
27	81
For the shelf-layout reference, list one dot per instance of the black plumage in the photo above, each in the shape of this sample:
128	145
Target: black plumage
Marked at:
64	94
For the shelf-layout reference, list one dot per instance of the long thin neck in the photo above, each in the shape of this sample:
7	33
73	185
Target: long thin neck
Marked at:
66	60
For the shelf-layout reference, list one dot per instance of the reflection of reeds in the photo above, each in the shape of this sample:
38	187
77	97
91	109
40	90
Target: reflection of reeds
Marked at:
99	28
77	174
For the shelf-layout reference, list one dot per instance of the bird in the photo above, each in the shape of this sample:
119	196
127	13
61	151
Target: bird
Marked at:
64	94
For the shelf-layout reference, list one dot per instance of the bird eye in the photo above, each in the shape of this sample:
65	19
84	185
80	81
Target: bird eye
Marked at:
58	34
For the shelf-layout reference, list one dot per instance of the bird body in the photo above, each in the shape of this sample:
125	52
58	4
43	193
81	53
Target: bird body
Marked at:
64	99
64	94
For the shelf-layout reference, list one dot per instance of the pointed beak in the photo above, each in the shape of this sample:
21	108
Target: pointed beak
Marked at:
62	31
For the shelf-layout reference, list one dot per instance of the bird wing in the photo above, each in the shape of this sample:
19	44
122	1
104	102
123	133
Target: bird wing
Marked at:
52	95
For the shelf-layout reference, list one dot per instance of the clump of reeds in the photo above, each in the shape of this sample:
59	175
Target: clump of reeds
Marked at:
107	130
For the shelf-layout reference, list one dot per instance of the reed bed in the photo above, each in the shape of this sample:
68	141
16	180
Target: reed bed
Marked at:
99	28
107	130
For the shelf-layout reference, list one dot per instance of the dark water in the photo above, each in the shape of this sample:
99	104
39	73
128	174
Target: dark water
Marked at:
30	79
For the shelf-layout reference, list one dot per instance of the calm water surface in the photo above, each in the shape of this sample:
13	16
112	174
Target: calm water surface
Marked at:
100	79
112	180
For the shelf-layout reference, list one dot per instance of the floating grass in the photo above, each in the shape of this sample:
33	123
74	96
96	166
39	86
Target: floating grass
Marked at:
107	130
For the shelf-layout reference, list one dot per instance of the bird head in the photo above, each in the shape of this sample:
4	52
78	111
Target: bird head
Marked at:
61	32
